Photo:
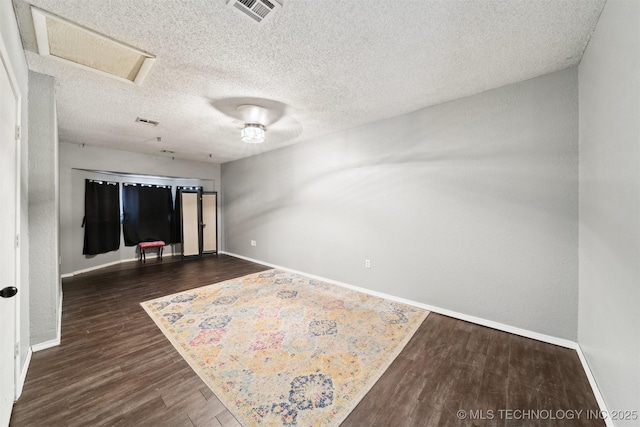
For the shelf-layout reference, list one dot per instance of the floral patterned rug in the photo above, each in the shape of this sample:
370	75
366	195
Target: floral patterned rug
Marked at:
282	349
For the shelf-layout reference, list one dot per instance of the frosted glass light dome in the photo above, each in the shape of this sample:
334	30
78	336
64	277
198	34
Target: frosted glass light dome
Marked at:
252	133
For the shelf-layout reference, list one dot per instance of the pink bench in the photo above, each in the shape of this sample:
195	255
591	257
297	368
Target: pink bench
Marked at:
143	246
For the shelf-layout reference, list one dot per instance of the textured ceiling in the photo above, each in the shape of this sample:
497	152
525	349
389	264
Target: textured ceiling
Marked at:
319	66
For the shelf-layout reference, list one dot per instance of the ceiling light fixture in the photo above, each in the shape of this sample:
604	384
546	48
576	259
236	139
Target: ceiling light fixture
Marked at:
252	133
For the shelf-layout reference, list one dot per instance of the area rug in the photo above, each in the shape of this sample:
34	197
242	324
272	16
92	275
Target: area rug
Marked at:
281	349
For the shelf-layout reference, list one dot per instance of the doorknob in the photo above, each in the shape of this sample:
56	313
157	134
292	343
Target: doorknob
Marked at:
8	292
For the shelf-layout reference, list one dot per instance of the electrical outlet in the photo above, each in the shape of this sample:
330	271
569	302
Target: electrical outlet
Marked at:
367	263
253	243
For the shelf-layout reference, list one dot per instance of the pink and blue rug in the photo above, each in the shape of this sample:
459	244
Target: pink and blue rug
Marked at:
282	349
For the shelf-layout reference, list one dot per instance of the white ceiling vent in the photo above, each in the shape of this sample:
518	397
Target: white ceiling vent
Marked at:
73	44
258	10
147	121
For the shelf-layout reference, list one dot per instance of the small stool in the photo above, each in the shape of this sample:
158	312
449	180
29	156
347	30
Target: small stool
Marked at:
143	246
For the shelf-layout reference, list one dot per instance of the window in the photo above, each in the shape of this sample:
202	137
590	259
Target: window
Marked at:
147	213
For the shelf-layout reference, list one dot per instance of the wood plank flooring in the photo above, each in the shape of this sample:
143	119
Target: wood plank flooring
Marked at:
115	368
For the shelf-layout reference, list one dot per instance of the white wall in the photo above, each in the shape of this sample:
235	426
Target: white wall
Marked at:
11	38
46	288
470	206
74	157
609	308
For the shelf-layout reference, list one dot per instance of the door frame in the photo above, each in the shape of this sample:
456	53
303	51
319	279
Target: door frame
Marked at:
4	57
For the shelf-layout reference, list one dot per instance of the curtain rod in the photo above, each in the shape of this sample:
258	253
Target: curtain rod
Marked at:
142	175
133	184
97	181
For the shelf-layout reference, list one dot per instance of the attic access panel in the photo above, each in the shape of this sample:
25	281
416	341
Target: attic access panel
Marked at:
79	46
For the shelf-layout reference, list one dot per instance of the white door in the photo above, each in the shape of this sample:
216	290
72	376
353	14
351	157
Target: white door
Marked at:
9	102
190	224
209	222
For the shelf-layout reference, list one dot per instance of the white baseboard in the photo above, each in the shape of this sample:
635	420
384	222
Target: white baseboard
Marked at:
56	341
594	386
108	264
86	270
461	316
45	345
23	374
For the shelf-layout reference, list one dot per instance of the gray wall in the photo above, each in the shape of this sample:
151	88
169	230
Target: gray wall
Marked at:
46	287
11	37
609	314
470	206
74	157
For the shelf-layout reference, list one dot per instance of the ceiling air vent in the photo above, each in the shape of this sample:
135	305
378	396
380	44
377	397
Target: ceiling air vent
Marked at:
147	121
258	10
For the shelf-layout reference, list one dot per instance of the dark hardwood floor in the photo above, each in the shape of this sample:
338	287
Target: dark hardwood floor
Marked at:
115	368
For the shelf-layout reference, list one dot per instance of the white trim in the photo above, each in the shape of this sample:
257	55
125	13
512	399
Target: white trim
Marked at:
40	24
60	316
13	81
56	341
144	70
98	267
467	318
86	270
45	345
23	374
594	386
109	264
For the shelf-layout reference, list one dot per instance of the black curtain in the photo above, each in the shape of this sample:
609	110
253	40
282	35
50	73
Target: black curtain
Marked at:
147	213
176	224
101	217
